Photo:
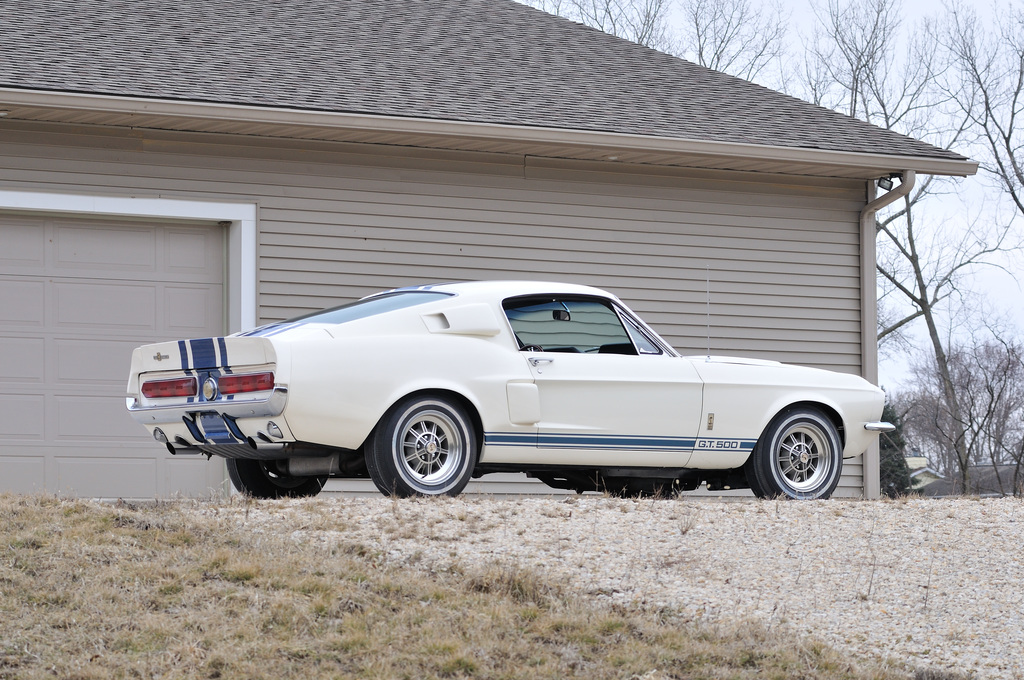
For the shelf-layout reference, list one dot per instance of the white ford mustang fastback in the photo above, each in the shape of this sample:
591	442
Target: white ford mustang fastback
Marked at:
423	388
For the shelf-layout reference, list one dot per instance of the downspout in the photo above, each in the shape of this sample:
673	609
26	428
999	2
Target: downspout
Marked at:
869	308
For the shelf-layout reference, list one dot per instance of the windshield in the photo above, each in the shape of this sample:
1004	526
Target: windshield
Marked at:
371	306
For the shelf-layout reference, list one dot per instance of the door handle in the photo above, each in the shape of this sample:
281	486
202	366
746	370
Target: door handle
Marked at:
534	361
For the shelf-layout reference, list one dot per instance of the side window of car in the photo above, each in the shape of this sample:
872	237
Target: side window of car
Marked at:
568	325
643	343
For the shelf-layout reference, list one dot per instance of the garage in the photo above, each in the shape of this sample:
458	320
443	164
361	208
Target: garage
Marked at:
734	219
77	295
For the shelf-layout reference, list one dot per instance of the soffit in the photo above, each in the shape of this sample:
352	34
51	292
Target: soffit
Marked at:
461	136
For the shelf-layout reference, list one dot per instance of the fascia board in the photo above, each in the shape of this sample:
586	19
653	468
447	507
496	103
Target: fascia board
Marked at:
610	141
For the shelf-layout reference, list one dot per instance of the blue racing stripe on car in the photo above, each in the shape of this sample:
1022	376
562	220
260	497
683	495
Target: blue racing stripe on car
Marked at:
223	345
204	353
183	353
272	329
282	329
707	444
510	439
260	330
215	429
616	442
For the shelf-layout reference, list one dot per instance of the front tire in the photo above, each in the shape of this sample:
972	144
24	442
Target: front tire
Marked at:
424	446
262	479
799	455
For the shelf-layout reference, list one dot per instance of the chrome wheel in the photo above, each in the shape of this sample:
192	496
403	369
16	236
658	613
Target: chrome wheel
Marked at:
431	448
802	457
425	445
799	455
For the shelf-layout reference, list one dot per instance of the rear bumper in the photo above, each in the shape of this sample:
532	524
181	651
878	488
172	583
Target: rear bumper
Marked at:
270	407
229	428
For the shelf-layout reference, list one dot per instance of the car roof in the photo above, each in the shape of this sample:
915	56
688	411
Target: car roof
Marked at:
504	289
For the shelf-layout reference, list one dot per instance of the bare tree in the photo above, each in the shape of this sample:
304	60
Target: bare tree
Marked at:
733	36
739	37
988	84
642	21
988	422
929	275
861	62
854	65
846	51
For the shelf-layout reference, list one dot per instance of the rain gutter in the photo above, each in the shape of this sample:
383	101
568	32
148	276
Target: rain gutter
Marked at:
869	308
613	142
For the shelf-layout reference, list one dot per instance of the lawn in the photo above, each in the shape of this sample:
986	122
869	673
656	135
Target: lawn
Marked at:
94	590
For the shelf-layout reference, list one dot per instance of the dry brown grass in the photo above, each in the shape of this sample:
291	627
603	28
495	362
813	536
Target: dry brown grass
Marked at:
90	590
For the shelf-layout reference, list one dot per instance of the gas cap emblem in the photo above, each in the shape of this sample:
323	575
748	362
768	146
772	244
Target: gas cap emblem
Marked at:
210	388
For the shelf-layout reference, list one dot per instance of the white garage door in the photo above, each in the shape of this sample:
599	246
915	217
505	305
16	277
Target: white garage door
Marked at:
76	296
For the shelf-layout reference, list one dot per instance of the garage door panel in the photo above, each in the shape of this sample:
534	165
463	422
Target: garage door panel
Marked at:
22	360
108	306
24	245
193	252
22	416
80	418
24	474
98	249
190	310
22	303
107	477
93	362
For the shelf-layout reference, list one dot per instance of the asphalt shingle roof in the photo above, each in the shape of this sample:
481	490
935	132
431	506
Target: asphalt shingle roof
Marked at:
490	61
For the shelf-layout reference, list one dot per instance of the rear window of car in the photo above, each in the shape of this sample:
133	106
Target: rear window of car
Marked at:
371	306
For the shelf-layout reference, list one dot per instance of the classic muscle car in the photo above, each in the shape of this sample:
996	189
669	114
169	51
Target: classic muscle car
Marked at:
422	389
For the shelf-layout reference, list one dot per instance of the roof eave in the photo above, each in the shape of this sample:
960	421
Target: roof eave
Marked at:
608	145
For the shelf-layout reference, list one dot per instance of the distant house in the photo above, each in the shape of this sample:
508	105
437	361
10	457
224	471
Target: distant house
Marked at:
921	475
193	168
985	480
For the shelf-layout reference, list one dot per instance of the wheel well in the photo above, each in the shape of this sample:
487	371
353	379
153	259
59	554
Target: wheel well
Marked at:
829	412
474	415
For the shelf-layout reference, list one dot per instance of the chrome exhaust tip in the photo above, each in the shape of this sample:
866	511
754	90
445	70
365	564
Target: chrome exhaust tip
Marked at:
183	446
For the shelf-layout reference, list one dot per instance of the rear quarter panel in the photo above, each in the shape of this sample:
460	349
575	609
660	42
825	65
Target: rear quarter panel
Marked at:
340	387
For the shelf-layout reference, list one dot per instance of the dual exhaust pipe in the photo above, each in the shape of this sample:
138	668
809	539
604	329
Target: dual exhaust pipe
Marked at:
296	466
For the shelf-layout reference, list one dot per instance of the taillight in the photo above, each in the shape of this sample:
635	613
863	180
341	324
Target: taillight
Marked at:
254	382
176	387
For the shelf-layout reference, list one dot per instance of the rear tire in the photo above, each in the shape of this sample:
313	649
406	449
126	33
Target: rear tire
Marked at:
261	479
799	455
423	446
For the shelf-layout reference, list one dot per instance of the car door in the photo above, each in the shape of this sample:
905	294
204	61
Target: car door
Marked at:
609	394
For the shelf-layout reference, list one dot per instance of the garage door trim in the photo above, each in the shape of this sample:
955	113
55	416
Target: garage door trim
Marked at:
241	232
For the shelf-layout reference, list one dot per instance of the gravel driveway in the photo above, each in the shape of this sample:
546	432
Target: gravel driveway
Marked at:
939	583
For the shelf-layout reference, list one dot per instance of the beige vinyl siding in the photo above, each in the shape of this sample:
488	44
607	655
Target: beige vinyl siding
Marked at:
793	298
338	221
